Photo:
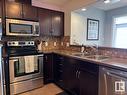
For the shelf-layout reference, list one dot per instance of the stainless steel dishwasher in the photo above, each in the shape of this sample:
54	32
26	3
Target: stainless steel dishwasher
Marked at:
112	81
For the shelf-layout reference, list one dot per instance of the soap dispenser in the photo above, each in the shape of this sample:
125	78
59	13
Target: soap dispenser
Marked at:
82	48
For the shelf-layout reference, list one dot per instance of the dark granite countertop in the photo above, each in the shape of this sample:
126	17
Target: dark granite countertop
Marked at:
112	62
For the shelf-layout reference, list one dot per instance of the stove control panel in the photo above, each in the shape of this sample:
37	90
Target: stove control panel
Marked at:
20	43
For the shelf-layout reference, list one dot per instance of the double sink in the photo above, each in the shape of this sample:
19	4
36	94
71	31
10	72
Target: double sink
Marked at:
92	56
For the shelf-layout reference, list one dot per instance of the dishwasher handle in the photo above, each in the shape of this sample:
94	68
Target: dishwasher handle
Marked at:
115	73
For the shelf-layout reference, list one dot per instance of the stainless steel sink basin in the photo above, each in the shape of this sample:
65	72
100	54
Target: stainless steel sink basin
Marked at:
80	54
98	57
95	57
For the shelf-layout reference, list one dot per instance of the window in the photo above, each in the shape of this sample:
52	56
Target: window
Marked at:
120	32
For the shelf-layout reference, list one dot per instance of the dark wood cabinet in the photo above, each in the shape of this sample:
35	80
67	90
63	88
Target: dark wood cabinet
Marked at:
0	8
21	11
73	75
58	62
45	22
13	10
24	1
57	23
48	68
76	76
88	79
88	83
51	22
30	12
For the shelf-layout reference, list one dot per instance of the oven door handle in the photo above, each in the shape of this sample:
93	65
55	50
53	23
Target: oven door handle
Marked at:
15	60
41	55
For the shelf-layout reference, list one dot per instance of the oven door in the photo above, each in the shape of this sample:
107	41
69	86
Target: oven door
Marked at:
18	72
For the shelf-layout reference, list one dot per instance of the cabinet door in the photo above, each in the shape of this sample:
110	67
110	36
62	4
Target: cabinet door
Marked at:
48	68
70	77
30	12
24	1
58	69
57	23
45	22
88	83
13	10
0	8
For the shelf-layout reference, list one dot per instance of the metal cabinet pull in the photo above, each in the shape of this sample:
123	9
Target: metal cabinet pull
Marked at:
79	74
76	73
46	58
106	87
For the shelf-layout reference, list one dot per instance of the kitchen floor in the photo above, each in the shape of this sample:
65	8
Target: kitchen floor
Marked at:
50	89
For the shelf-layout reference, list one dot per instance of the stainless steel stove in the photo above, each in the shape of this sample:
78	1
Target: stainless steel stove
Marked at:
25	66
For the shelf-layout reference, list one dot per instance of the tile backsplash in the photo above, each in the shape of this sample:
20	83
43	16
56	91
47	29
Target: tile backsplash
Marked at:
63	44
58	43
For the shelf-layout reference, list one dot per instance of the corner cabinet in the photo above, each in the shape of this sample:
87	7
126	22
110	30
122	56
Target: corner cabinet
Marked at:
21	11
51	22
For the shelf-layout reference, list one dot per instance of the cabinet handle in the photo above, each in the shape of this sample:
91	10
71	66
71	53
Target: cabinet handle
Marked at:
23	14
60	80
46	58
79	74
61	58
76	73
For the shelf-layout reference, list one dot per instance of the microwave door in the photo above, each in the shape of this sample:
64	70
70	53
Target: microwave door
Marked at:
17	28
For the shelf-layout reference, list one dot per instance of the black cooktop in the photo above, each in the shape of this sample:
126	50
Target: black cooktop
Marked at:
22	51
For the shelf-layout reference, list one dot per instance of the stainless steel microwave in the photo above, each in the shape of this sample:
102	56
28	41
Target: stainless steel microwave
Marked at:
16	27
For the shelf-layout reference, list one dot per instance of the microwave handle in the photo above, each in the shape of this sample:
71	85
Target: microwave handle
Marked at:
34	28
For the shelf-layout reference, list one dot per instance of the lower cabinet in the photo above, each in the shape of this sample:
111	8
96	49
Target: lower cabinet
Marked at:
88	83
58	69
75	76
48	68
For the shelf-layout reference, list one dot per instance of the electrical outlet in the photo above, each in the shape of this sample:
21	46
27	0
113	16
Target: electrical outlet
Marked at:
54	43
67	44
62	44
46	44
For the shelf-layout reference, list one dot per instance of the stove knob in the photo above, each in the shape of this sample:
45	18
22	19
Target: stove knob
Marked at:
13	43
28	43
31	43
9	43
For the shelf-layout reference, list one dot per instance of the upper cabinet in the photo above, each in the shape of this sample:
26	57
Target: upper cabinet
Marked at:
45	21
51	22
13	10
58	23
30	12
21	11
0	8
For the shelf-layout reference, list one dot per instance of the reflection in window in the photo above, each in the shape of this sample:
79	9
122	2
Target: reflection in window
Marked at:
120	32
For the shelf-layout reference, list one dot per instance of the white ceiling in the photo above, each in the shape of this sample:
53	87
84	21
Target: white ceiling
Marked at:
110	6
55	2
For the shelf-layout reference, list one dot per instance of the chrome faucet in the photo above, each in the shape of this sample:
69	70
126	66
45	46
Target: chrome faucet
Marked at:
94	47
